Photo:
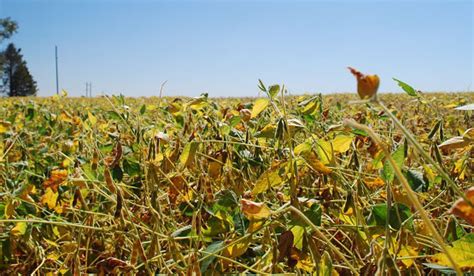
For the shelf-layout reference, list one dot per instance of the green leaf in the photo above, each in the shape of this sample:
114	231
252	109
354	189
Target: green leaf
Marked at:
131	167
235	120
388	173
227	198
208	259
259	106
114	115
30	112
314	214
416	181
434	129
117	173
261	86
273	91
398	214
143	109
187	156
407	88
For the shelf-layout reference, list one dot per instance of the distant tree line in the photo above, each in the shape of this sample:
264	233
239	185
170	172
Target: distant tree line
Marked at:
15	78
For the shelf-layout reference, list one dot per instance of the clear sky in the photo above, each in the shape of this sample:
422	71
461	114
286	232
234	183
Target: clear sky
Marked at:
224	47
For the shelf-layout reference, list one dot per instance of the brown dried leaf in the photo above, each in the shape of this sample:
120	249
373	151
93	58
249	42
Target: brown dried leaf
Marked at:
454	143
285	243
367	85
255	210
463	209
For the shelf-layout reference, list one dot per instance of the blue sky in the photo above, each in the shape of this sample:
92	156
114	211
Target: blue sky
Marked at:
224	47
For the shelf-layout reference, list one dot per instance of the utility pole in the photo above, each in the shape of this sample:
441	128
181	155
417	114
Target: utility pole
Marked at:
57	78
88	89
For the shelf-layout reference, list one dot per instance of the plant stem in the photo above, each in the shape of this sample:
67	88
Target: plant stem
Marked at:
420	150
411	195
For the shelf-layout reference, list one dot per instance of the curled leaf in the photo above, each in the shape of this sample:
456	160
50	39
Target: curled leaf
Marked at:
19	229
462	251
255	210
111	265
367	85
465	107
463	209
317	165
454	143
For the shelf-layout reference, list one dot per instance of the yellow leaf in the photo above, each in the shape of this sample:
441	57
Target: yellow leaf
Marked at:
259	106
460	168
324	150
462	252
50	242
187	156
342	143
65	117
254	226
367	85
4	127
305	263
237	249
408	251
469	134
214	169
302	148
53	256
317	165
298	233
92	119
325	265
19	229
254	210
9	209
267	131
56	231
374	183
268	179
429	172
50	198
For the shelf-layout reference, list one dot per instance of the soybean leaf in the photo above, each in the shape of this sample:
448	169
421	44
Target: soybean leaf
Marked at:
407	88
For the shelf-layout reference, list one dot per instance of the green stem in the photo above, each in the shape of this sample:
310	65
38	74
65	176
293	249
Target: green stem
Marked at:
421	151
411	195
